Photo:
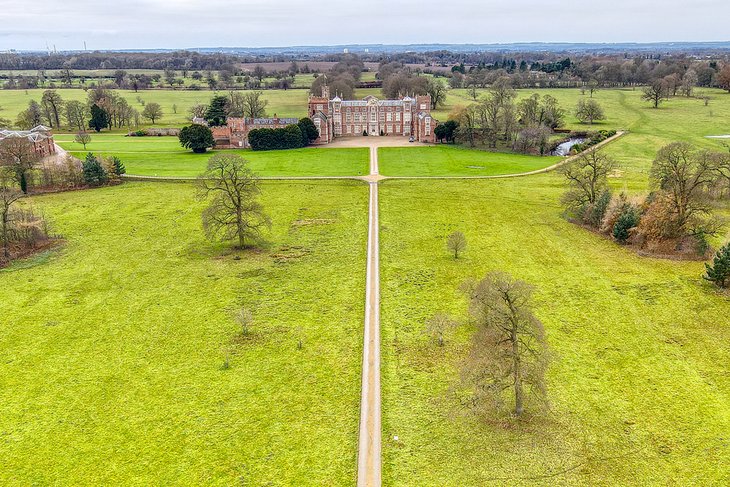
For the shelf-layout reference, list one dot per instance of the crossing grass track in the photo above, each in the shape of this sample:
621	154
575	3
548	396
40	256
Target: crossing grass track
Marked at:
163	156
444	160
113	345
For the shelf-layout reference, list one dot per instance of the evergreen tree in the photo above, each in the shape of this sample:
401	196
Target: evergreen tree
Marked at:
93	171
309	130
217	111
99	118
719	271
196	137
118	166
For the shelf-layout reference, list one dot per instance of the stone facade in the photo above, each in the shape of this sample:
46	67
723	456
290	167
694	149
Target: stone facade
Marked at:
405	117
40	136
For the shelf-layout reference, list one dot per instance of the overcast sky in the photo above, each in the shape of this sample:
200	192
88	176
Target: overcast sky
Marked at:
123	24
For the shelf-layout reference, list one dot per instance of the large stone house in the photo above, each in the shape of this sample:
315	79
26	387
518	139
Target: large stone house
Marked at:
40	136
406	116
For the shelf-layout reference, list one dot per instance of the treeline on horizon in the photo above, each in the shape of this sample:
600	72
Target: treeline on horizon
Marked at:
478	69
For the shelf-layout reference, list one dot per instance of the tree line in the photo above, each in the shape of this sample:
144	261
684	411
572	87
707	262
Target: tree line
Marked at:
675	218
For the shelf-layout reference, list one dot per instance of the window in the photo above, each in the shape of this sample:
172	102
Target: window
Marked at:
397	116
348	116
349	129
389	117
320	107
423	106
428	125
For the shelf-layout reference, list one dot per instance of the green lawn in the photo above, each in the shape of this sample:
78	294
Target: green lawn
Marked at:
163	156
283	103
112	346
639	385
444	160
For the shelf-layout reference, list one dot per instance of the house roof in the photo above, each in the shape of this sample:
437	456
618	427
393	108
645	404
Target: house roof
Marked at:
36	134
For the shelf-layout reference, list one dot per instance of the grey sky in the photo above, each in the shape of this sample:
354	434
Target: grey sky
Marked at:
118	24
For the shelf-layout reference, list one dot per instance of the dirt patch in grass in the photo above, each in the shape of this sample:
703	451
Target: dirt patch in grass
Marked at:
312	221
290	253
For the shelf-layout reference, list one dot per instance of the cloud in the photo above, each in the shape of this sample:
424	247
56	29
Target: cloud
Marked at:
256	23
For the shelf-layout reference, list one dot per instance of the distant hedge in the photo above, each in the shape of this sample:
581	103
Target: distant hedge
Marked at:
289	137
592	139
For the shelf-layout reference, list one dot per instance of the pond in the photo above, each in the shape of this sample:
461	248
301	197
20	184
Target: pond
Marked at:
564	148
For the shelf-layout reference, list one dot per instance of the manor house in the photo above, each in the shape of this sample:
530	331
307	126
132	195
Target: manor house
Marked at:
405	117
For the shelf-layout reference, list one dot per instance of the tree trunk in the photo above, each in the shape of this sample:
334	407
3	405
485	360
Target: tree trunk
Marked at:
519	406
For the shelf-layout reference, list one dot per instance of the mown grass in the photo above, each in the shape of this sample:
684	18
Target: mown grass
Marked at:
112	347
445	160
283	103
163	156
639	386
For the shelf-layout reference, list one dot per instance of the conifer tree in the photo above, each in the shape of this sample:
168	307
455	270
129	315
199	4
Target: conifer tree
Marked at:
719	271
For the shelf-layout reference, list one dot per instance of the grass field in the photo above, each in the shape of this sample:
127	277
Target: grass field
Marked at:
163	156
443	160
112	347
639	384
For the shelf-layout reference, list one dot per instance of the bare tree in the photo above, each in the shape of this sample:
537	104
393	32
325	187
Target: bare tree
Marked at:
233	212
8	197
244	318
82	138
587	178
18	157
437	326
509	354
52	105
437	90
152	111
684	174
456	243
656	92
197	110
254	106
77	114
592	86
589	111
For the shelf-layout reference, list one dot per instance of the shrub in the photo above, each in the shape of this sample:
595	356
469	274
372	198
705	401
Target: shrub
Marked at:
626	221
289	137
196	137
597	211
719	271
94	172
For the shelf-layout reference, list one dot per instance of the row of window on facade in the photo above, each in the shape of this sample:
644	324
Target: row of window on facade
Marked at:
358	129
383	117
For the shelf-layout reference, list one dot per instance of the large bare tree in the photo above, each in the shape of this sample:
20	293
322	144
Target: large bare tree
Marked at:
17	157
8	197
587	178
234	212
684	174
656	92
509	353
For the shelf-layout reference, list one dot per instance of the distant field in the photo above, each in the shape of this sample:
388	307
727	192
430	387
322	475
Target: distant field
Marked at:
639	385
443	160
112	347
163	156
283	103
